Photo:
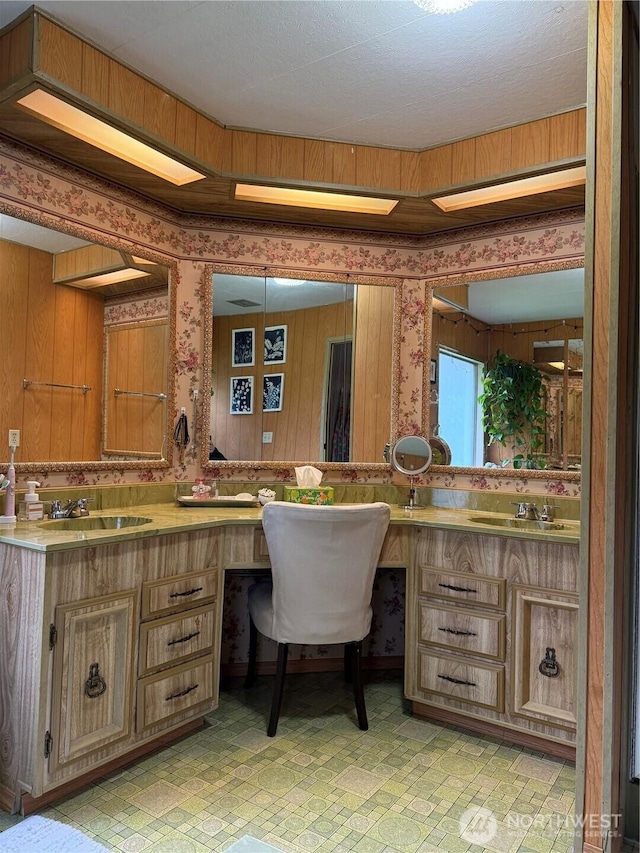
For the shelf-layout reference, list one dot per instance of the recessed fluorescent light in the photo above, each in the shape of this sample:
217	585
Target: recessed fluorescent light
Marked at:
83	126
290	282
513	189
110	278
311	198
559	365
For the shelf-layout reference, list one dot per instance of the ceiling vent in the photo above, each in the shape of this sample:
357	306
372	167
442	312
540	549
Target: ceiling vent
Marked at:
243	303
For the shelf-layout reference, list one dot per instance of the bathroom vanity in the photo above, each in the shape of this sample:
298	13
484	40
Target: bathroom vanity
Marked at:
111	637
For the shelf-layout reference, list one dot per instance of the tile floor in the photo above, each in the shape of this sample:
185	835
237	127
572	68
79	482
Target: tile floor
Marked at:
323	786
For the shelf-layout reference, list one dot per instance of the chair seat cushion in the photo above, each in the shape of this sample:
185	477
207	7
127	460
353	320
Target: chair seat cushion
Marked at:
261	608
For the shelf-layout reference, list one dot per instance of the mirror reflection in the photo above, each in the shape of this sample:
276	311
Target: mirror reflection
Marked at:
86	374
300	370
493	342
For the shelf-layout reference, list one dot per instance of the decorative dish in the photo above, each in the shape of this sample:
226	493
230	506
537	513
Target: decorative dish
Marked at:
222	501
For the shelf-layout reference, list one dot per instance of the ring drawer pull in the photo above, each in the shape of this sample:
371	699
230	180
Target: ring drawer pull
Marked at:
457	680
549	666
457	588
458	633
188	592
95	685
184	639
182	693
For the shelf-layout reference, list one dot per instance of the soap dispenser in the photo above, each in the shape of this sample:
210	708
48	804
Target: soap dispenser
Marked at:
31	507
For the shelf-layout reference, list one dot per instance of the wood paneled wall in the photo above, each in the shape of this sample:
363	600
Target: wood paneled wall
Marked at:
62	58
136	361
372	375
51	334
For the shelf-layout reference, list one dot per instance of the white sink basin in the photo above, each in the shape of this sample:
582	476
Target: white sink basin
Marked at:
518	523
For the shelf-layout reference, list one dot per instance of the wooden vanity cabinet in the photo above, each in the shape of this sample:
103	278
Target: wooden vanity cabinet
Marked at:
109	650
492	635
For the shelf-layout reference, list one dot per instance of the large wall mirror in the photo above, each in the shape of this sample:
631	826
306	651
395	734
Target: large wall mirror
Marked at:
301	370
89	343
534	318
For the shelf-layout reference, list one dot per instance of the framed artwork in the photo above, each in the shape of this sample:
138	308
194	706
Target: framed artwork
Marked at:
243	347
272	389
241	395
434	371
275	344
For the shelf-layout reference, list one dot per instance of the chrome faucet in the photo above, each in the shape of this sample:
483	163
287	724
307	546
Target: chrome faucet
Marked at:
547	512
526	510
76	508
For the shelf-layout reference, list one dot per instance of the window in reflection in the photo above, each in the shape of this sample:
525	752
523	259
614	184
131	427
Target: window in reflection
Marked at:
460	418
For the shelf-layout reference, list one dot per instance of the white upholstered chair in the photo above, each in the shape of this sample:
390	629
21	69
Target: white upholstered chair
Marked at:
323	563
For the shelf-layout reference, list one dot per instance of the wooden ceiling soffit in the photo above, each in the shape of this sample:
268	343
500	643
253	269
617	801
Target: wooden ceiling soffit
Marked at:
37	51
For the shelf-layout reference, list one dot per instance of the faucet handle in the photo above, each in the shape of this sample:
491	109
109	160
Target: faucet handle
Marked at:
547	512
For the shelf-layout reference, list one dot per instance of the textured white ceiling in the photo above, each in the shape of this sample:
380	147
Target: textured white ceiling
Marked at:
367	71
527	298
28	234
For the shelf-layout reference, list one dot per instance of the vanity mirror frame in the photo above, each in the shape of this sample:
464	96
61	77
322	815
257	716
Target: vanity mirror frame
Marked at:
469	278
314	275
165	457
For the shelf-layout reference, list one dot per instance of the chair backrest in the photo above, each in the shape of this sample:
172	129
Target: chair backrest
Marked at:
323	562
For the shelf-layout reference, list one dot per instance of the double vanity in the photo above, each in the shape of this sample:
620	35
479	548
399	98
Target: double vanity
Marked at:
111	628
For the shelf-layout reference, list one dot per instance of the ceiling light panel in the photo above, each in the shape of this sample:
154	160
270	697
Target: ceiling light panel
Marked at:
312	199
75	122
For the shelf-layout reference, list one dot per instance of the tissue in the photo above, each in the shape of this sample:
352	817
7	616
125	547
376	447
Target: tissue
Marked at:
309	490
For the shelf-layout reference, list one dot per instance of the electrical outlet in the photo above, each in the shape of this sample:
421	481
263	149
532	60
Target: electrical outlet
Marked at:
267	437
14	438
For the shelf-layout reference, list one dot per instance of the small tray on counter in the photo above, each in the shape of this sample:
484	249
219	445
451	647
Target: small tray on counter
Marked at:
221	501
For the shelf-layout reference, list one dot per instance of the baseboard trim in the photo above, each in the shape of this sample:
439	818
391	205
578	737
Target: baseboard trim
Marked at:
239	670
31	804
8	799
495	730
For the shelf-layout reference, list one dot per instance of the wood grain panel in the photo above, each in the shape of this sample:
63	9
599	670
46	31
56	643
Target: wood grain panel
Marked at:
244	152
280	156
95	74
185	133
316	167
410	171
378	167
436	168
15	52
85	261
493	153
126	93
60	54
463	161
530	144
567	135
343	163
160	110
211	145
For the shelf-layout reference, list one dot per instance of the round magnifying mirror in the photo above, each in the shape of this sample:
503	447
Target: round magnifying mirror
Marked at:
411	455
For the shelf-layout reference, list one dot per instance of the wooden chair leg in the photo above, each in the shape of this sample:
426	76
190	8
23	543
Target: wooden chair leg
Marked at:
348	663
278	688
358	688
253	650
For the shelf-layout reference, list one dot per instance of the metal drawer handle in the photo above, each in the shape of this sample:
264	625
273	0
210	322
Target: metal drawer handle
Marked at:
457	680
458	633
184	639
457	588
188	592
182	693
549	666
95	685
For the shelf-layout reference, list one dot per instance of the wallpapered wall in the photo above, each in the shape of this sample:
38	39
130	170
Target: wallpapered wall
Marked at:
33	187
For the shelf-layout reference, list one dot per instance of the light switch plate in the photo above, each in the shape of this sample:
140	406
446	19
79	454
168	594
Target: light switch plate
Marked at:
267	437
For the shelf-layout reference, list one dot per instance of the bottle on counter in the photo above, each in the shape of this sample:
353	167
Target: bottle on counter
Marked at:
31	507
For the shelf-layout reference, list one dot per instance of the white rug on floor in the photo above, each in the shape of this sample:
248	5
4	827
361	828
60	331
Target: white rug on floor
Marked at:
249	844
38	834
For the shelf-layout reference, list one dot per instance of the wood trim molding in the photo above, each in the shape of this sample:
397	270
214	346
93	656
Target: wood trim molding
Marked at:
41	51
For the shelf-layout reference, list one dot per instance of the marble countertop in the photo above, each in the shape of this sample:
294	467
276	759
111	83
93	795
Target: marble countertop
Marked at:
166	518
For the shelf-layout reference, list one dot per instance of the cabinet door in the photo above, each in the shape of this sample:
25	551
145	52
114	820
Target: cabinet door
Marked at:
92	675
544	643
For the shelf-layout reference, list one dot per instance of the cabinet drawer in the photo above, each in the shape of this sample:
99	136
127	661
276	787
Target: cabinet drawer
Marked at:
175	638
172	692
455	627
463	586
480	684
178	592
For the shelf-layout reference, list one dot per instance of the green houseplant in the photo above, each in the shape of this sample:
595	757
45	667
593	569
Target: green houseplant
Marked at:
513	412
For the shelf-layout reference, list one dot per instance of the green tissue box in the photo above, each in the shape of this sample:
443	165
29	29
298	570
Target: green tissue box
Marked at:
321	495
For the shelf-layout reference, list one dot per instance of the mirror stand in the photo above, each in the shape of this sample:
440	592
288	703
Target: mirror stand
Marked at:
411	455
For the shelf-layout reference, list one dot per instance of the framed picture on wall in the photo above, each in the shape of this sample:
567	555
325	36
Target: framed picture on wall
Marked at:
275	344
243	347
241	395
434	371
272	390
